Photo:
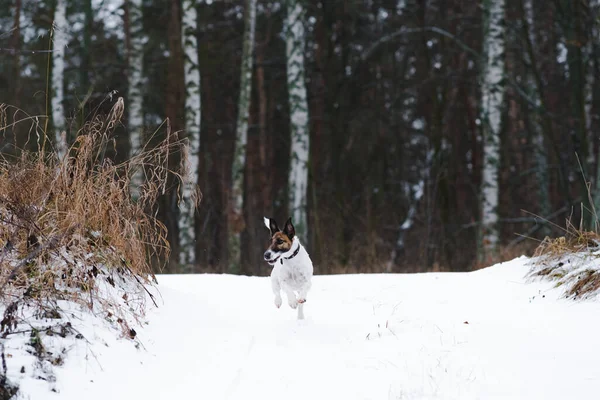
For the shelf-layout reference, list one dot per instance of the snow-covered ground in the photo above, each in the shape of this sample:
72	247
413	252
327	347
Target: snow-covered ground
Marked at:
488	334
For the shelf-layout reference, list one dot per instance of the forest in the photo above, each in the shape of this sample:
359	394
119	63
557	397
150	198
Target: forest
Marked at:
400	136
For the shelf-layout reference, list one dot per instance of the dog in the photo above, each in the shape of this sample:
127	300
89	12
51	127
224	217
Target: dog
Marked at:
292	268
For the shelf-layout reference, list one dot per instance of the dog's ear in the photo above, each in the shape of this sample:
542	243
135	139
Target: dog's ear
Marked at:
289	229
271	224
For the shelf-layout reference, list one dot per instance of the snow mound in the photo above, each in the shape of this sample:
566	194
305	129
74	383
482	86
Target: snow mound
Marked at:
486	334
41	336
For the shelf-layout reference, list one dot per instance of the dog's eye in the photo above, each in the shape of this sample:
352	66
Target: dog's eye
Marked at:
279	241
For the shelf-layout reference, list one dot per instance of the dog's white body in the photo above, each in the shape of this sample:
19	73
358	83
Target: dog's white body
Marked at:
292	274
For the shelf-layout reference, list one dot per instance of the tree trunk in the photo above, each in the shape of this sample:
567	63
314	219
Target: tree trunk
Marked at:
597	196
492	99
16	135
591	99
263	119
575	41
16	45
191	157
175	112
299	154
415	193
87	43
59	33
135	59
236	223
539	145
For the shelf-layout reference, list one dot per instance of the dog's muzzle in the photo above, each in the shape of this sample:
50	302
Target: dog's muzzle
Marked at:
268	254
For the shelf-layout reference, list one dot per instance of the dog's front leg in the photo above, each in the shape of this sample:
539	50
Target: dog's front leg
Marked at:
276	290
303	291
291	296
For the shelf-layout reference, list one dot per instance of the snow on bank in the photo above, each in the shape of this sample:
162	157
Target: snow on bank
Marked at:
47	343
487	334
577	274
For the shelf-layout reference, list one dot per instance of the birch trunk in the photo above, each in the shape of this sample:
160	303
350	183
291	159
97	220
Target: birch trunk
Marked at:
191	161
236	224
299	152
60	39
492	99
135	59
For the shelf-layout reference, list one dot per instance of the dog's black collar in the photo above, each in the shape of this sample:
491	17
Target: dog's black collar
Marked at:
294	254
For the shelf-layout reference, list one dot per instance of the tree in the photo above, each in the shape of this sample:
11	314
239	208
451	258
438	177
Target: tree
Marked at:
236	224
16	45
575	41
174	110
387	83
87	44
299	128
591	97
60	40
534	86
187	252
135	56
415	194
492	99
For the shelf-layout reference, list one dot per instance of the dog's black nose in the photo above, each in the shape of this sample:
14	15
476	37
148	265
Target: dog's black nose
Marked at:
267	256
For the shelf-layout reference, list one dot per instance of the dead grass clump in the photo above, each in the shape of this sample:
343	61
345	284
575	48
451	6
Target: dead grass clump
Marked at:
587	282
69	229
574	241
572	261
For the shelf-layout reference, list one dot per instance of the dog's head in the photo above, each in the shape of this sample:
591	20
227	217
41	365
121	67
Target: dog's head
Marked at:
281	242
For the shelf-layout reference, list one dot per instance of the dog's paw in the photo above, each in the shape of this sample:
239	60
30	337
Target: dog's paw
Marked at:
277	301
301	301
293	303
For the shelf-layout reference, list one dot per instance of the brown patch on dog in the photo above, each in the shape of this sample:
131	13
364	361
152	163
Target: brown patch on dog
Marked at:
280	242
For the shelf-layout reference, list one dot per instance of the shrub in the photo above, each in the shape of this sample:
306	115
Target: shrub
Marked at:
69	229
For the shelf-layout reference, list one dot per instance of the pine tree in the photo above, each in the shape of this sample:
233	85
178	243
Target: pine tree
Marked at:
239	155
591	83
16	45
85	68
541	159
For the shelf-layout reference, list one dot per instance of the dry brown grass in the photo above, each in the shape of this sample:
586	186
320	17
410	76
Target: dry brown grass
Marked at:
69	227
572	261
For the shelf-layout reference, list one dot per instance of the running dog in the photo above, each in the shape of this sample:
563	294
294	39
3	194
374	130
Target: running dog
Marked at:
292	267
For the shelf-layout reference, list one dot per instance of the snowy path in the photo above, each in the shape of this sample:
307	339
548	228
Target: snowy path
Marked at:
483	335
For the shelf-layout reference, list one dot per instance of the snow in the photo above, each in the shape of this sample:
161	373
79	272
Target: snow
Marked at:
568	269
111	13
488	334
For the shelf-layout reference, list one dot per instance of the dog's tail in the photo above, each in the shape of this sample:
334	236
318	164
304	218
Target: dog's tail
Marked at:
301	311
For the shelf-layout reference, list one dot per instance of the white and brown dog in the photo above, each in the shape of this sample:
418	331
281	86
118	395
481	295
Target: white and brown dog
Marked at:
292	267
